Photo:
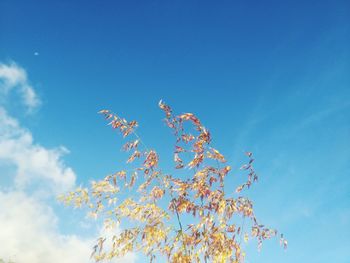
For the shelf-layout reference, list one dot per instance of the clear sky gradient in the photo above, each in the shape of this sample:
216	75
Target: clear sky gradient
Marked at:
272	77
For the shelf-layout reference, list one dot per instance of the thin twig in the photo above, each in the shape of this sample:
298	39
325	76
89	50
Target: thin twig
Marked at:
180	225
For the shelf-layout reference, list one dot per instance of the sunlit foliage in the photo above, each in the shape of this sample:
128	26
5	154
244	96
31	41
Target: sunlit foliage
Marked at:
160	201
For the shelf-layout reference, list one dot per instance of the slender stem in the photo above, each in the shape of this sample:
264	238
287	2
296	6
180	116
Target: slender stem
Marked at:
138	137
242	229
222	185
180	225
204	228
133	132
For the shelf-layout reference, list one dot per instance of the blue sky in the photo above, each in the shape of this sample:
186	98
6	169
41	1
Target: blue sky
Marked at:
270	77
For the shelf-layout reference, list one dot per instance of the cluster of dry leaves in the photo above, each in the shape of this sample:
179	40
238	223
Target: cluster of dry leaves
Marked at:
160	203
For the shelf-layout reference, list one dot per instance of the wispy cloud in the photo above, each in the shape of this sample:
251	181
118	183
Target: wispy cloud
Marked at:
34	163
14	77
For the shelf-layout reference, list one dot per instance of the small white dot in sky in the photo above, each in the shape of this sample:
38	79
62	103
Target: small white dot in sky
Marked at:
36	53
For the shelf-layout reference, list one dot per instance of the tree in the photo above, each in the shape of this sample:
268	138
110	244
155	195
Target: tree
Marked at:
187	218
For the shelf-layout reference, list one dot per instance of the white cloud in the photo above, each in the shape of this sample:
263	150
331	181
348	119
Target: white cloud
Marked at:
13	77
29	231
29	234
34	163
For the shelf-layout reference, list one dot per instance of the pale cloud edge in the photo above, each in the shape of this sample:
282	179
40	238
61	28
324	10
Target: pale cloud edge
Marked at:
34	163
14	77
